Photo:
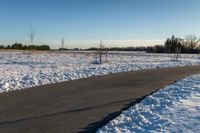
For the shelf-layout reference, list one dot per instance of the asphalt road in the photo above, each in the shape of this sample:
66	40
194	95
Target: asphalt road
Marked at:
81	105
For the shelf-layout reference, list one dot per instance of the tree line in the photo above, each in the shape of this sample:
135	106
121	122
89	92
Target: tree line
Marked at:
121	49
19	46
190	44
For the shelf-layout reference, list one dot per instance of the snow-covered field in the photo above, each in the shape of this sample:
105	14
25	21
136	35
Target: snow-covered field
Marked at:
20	70
175	108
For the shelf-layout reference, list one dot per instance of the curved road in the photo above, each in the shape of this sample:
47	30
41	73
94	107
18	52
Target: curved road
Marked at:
81	105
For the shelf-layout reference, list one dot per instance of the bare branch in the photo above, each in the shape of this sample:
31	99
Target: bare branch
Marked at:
31	35
63	42
191	41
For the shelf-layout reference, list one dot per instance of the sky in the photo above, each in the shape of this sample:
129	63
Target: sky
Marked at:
84	22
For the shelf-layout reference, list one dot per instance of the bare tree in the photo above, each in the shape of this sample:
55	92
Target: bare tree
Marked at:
102	53
62	43
31	35
177	51
191	41
101	47
106	54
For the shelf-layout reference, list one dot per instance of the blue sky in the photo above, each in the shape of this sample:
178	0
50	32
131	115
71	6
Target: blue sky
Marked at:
83	22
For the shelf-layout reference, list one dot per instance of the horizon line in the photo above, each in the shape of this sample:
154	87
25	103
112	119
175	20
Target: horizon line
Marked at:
93	43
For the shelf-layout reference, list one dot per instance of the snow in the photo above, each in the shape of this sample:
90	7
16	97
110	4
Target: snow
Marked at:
174	108
188	114
19	70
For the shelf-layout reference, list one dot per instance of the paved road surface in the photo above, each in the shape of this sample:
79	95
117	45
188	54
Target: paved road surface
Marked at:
81	105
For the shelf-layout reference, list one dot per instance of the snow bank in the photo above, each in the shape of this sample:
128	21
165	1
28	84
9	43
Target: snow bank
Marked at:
20	70
175	108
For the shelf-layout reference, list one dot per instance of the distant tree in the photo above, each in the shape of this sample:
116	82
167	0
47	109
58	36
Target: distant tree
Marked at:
106	54
20	46
168	45
121	49
25	47
2	47
38	47
101	52
101	47
17	45
191	42
43	47
8	47
62	42
173	45
92	49
159	49
150	49
31	35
